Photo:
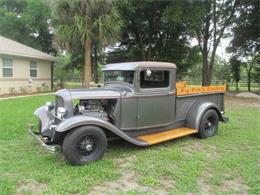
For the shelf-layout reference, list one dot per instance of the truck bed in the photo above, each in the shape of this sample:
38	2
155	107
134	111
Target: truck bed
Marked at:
184	103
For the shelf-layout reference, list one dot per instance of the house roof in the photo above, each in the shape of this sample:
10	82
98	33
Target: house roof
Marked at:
134	65
10	47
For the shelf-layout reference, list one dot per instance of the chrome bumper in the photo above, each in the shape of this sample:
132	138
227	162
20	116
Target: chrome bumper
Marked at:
50	148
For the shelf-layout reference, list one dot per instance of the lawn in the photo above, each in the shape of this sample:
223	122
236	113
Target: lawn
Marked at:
226	163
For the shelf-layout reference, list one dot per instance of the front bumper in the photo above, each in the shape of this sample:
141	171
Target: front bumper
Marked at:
38	138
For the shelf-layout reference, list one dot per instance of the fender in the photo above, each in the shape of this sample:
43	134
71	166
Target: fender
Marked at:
196	112
75	121
46	121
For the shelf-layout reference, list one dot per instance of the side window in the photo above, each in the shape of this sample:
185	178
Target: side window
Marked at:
33	69
157	79
7	67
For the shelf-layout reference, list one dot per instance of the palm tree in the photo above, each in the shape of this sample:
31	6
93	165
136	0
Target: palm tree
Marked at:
88	21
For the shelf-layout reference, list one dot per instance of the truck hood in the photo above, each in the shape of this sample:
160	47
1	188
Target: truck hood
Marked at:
106	92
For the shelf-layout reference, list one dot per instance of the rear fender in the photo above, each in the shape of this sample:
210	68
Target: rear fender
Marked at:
76	121
196	112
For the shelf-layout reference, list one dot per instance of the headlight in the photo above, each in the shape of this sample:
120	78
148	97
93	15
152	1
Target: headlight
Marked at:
49	105
61	112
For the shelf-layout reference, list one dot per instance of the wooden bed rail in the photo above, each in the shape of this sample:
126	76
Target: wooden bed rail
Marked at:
183	89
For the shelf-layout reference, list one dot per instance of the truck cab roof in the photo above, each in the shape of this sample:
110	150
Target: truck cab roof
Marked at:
139	64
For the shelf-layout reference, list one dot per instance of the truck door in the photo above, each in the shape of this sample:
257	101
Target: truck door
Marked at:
156	101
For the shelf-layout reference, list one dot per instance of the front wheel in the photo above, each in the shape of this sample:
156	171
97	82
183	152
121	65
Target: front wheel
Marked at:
84	145
208	124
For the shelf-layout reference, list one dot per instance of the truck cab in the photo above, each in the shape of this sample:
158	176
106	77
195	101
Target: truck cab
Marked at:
152	88
138	103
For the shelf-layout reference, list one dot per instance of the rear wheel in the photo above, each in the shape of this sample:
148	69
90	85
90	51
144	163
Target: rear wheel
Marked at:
208	124
84	145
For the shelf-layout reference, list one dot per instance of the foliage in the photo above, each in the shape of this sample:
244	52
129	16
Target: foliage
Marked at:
28	22
207	21
86	23
256	73
235	69
251	63
104	31
246	36
150	33
61	72
245	44
221	70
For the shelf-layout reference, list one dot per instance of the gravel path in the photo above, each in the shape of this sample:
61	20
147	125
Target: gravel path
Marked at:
248	95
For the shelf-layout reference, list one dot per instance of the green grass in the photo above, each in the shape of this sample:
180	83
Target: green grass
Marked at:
255	87
226	163
69	85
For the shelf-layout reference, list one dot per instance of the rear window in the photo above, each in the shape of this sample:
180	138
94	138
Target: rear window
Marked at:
157	79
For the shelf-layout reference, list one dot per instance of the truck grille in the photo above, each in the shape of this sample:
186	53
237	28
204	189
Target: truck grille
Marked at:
58	103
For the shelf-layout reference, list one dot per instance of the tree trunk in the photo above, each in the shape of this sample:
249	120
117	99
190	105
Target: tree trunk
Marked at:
236	85
249	82
205	76
95	65
87	77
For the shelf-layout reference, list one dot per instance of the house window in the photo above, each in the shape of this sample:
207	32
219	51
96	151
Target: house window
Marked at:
7	67
157	79
33	69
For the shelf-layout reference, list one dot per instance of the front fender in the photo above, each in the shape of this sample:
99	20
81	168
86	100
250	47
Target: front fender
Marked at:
45	118
196	112
76	121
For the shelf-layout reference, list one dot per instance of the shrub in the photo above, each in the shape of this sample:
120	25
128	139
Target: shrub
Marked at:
45	87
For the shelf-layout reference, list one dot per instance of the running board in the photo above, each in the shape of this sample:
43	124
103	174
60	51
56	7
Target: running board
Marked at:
156	138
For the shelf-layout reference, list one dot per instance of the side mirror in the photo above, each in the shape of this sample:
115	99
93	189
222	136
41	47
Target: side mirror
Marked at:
148	73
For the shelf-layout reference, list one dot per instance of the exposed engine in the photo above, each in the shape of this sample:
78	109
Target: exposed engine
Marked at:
101	109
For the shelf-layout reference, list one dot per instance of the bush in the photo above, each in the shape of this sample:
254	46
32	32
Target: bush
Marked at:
45	87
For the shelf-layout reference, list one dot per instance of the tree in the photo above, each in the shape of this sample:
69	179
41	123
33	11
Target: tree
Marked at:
87	21
235	70
207	21
256	75
28	22
246	36
250	64
151	33
60	70
221	70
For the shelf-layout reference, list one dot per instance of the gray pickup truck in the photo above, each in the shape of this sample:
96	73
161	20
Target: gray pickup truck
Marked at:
138	103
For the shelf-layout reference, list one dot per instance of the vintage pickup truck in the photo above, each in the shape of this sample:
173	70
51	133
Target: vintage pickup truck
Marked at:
139	103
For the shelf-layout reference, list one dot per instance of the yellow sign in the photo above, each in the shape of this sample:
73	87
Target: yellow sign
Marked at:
183	89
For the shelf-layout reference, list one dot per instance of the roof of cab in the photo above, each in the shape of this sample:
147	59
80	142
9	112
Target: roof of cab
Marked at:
135	65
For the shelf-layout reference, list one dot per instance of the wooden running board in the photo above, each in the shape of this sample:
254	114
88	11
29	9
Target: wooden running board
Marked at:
156	138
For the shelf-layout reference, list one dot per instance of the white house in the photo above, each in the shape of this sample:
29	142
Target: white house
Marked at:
23	69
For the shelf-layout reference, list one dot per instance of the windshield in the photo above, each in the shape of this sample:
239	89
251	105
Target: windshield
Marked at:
119	75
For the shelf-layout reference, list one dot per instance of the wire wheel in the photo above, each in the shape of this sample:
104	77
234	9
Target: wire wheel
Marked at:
87	145
84	145
208	124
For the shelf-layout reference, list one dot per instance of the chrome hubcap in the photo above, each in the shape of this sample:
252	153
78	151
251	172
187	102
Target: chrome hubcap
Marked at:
89	147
